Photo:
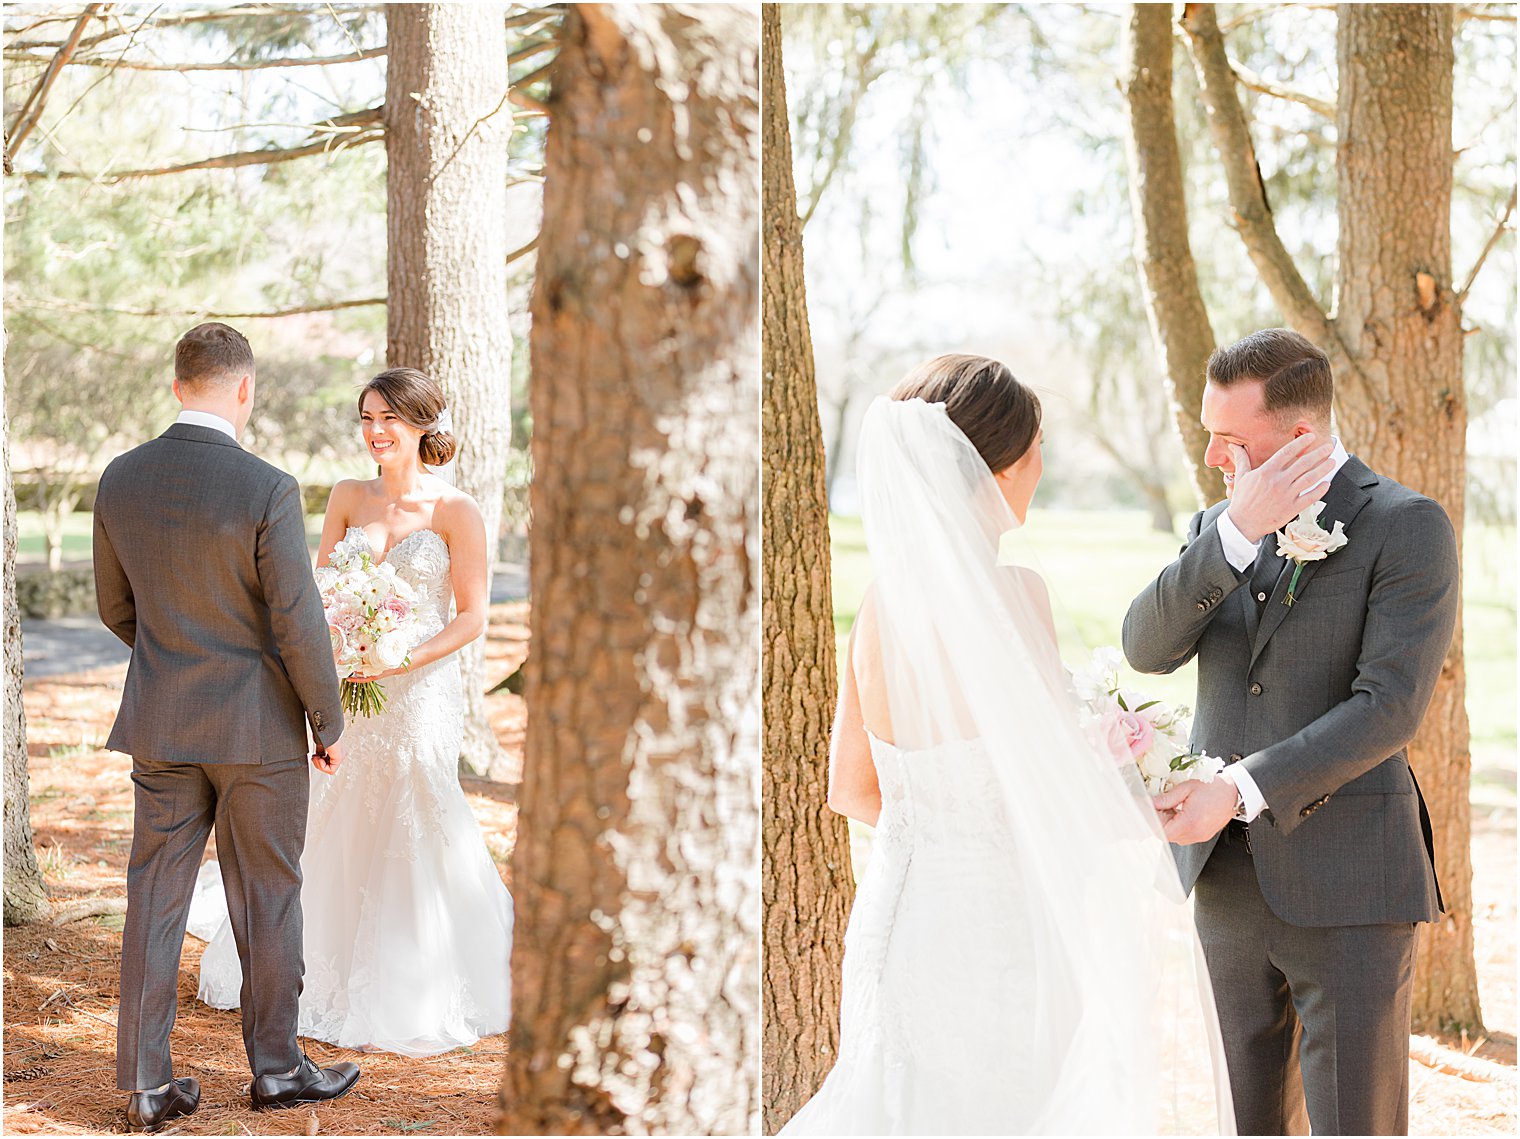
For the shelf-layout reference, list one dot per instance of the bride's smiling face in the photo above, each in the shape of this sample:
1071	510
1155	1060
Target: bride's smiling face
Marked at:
390	440
1018	481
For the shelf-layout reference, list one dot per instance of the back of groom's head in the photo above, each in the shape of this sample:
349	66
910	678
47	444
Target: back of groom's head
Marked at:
212	353
1294	374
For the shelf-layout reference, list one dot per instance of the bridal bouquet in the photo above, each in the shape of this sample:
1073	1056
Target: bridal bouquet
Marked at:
371	619
1151	734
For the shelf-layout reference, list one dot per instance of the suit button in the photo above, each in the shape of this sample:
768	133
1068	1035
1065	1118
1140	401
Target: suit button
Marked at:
1261	597
1202	605
1306	812
1216	595
1256	690
1236	758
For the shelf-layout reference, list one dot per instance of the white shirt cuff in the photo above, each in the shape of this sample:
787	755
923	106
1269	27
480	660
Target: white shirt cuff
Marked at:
1250	795
1239	550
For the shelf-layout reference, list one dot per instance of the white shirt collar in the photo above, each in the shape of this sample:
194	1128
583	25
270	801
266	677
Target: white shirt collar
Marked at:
206	419
1338	456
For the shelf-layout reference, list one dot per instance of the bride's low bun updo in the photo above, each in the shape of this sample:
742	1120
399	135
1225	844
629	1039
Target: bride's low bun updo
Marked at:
436	448
999	415
418	401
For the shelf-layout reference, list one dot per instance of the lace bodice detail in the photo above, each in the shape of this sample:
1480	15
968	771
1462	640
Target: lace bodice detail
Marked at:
943	796
421	559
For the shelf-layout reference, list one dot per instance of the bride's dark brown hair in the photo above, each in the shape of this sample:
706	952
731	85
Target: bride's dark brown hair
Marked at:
998	414
418	401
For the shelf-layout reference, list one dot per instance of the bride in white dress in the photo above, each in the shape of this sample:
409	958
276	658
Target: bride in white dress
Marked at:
407	925
1020	958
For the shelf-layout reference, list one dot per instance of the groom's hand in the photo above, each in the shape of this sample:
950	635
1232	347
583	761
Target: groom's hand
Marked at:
1270	496
328	763
1194	811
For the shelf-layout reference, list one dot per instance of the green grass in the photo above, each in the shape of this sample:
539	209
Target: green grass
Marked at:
1096	562
78	534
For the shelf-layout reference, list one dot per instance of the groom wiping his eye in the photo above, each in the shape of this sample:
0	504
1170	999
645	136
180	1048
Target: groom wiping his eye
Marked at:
1311	857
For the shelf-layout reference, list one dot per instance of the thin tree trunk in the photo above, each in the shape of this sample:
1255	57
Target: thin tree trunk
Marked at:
25	895
805	847
447	122
1400	320
637	1008
1173	301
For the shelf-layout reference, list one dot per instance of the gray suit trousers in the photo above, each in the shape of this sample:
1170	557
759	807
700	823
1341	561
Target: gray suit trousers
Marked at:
1315	1019
259	812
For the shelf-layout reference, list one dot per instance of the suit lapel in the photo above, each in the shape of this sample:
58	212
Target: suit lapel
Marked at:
1343	502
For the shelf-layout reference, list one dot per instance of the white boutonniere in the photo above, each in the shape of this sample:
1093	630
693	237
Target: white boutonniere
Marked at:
1303	540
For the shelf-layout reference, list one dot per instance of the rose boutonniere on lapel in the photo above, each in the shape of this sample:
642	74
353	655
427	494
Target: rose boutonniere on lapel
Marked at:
1303	541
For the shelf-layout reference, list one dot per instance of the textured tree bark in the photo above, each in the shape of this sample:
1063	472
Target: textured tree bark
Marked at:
636	1005
25	895
447	122
1396	345
806	880
1398	317
1179	321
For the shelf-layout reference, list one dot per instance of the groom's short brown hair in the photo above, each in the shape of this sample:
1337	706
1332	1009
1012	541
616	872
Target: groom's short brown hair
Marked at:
212	351
1294	373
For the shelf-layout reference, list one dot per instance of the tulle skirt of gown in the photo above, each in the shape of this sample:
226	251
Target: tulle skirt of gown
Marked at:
407	925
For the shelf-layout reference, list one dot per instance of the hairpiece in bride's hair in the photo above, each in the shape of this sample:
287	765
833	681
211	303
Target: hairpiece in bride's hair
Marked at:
444	423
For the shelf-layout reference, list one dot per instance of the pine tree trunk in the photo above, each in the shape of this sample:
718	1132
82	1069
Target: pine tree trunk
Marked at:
1173	302
635	966
447	122
1402	405
805	847
25	895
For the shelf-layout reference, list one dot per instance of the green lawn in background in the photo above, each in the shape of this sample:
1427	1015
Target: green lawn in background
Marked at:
1096	562
78	531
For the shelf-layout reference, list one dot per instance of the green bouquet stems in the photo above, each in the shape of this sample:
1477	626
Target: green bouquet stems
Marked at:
364	698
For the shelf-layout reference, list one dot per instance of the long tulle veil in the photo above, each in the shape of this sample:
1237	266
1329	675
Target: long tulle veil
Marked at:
1123	1023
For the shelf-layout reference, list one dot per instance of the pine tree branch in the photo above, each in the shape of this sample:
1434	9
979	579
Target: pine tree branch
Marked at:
525	101
236	11
1248	194
1472	274
230	65
31	111
353	129
201	313
1249	79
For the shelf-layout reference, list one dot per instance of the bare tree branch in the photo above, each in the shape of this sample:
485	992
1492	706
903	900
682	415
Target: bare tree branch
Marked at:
238	10
1472	274
230	65
1248	194
1249	79
31	111
528	102
352	129
522	250
202	313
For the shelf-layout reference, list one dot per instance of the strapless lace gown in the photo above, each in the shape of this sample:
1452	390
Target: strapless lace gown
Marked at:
937	973
407	925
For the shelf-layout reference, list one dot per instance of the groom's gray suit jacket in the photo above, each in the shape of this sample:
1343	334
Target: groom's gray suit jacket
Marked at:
201	568
1319	700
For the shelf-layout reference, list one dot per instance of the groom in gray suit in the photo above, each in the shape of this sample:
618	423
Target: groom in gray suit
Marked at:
201	568
1311	858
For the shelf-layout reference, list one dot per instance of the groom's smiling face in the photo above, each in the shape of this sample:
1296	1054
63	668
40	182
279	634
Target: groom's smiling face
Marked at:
1237	416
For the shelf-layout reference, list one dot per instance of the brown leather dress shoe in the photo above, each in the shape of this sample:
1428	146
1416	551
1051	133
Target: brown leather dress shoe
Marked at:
148	1111
309	1084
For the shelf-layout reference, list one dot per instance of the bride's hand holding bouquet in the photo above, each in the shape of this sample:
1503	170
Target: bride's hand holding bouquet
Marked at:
371	618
